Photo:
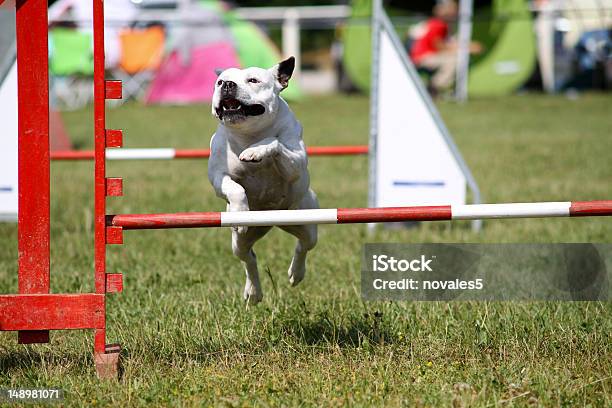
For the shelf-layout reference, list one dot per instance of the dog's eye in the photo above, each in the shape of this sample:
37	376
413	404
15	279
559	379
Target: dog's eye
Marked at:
219	82
253	80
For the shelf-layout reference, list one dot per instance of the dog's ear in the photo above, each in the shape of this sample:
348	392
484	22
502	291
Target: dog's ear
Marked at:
284	70
218	71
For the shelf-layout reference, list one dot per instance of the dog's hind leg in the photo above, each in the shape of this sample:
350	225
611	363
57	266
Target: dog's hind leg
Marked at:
242	247
307	239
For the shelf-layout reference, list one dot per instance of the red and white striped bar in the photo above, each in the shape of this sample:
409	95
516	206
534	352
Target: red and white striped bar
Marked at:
170	153
361	215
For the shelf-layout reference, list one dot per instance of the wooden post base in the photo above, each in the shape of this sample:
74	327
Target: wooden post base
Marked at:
107	363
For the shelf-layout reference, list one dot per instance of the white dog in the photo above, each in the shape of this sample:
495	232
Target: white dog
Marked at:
258	162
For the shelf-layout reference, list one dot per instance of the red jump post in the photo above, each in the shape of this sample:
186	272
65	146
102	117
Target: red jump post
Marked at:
106	356
34	311
33	142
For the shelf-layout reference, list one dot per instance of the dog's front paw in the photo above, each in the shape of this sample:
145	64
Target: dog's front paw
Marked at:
254	154
252	294
238	206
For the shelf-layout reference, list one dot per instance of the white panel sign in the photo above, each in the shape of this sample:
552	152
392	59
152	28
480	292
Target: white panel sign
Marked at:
414	163
8	146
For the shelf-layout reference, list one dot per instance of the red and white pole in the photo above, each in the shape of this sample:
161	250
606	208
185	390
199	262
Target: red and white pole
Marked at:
170	153
361	215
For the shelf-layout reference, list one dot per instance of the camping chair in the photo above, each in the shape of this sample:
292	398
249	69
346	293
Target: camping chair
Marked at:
71	66
141	54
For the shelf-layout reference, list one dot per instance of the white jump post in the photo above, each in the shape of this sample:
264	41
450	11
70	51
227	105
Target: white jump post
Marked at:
464	37
291	40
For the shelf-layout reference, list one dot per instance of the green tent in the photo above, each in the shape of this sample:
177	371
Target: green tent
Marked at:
505	28
506	32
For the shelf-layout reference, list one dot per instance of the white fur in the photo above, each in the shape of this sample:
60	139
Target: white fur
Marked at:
260	163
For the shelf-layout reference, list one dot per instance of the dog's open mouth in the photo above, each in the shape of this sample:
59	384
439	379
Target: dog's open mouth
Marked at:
232	108
231	105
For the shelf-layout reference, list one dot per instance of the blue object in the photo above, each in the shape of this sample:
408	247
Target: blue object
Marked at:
401	183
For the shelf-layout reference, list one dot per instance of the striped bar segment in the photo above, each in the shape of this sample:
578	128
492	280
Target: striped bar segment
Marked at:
171	153
337	150
591	208
165	221
191	153
139	154
359	215
394	214
513	210
279	217
70	155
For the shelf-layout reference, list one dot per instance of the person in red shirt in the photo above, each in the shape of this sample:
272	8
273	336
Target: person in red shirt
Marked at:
433	48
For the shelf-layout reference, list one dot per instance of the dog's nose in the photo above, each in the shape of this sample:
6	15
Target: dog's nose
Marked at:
228	86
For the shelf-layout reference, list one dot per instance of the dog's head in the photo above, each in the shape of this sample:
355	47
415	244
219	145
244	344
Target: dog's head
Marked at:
249	98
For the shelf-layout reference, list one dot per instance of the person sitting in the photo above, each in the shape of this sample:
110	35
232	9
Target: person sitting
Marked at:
434	49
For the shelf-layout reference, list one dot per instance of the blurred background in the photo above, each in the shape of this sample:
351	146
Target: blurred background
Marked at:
166	51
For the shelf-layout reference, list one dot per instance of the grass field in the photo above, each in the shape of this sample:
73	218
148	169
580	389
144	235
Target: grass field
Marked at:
189	340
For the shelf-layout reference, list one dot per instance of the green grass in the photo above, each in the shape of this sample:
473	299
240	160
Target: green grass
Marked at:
188	339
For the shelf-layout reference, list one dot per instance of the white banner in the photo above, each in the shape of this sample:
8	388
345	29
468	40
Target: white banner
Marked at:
8	146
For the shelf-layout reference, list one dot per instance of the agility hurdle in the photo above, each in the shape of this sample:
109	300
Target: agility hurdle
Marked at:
171	153
33	312
360	215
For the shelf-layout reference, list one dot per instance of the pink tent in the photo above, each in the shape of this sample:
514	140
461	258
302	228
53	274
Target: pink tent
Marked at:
179	82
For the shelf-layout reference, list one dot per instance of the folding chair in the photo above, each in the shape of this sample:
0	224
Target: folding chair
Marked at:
71	66
142	51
